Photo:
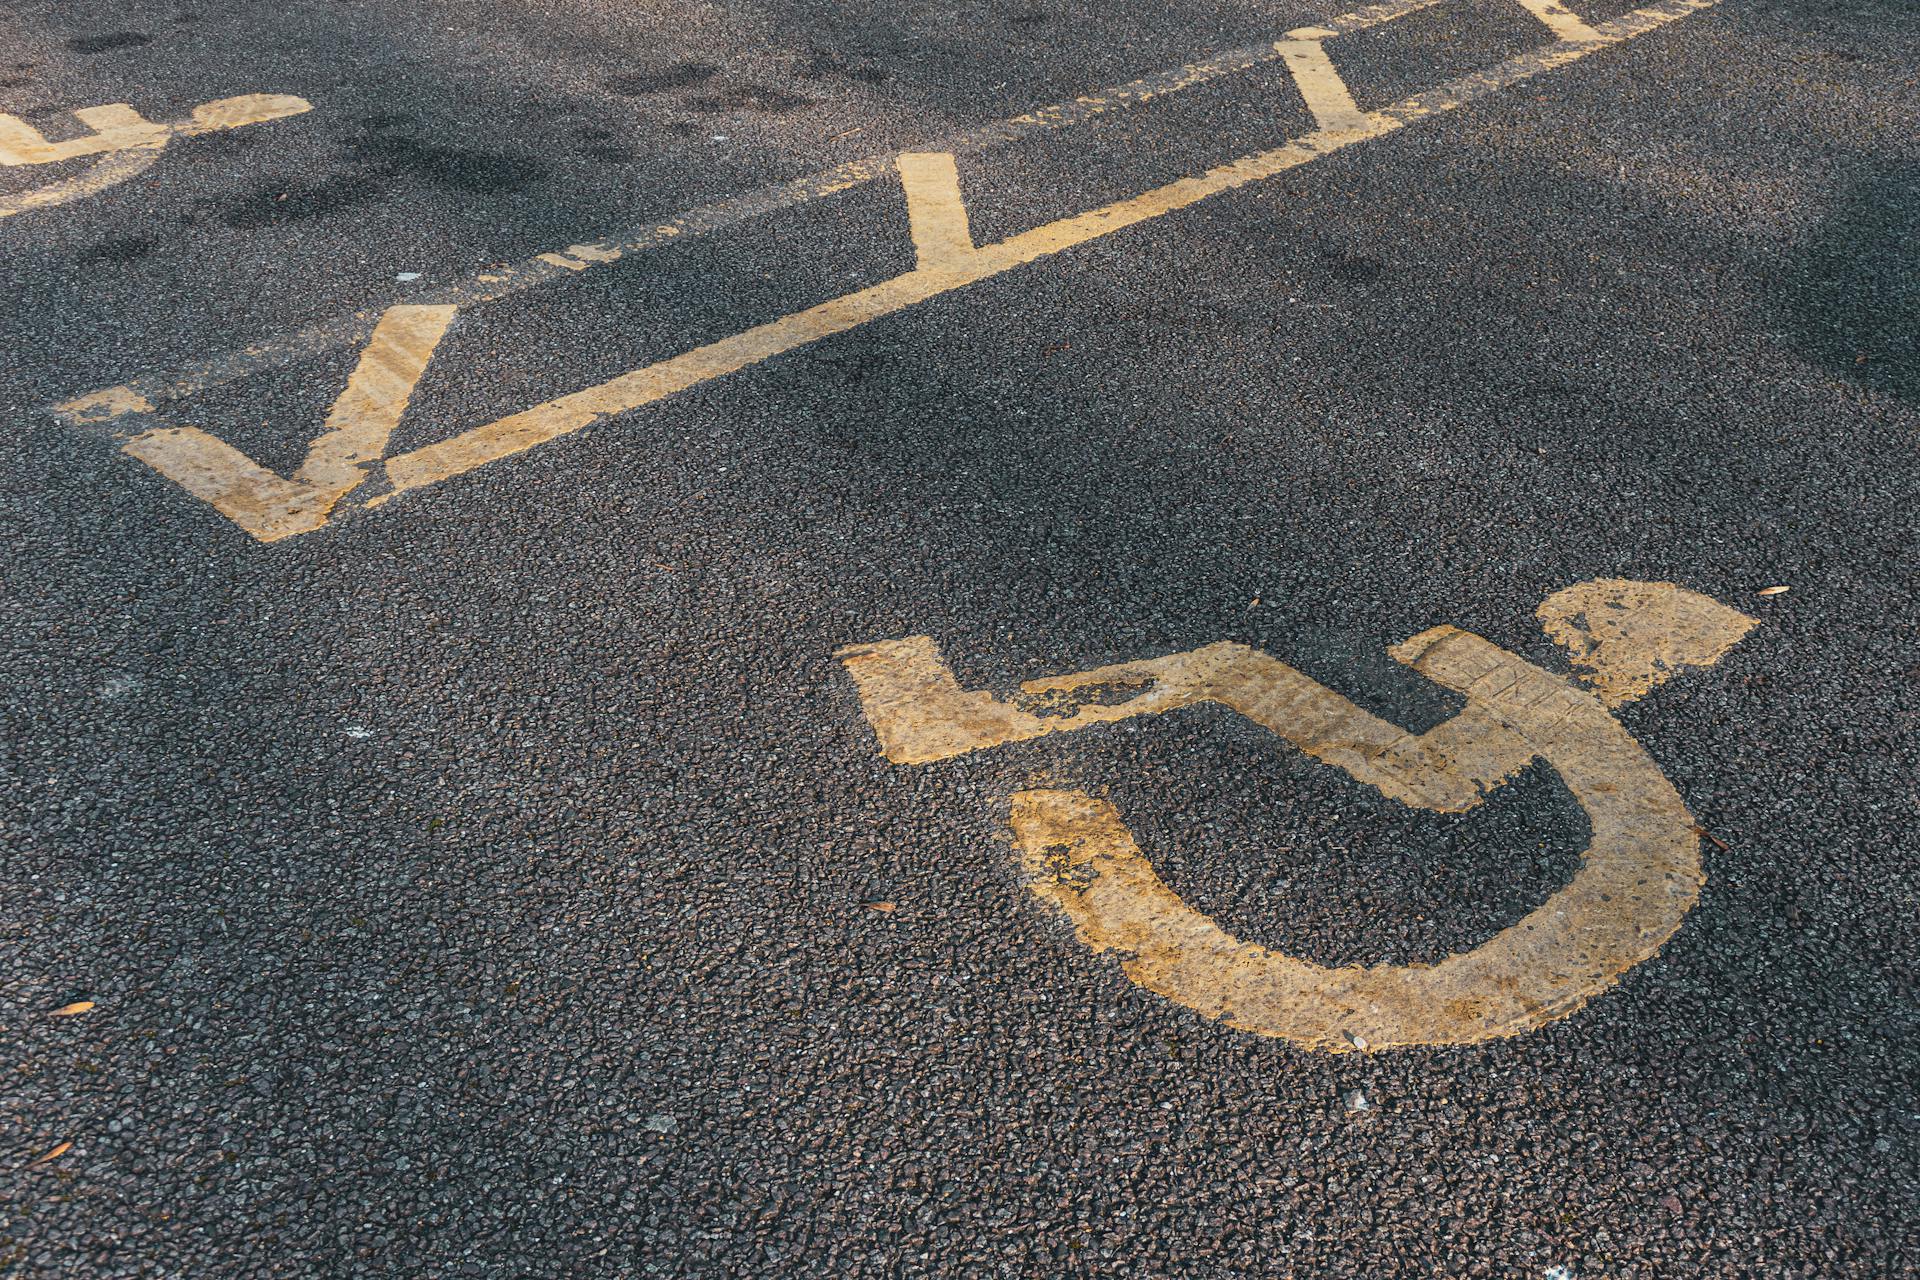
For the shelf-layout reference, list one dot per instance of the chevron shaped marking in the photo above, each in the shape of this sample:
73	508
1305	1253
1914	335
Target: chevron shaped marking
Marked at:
270	506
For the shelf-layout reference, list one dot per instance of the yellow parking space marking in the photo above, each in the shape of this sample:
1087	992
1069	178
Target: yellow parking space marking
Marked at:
1562	21
128	143
1325	92
544	268
937	214
270	506
1640	876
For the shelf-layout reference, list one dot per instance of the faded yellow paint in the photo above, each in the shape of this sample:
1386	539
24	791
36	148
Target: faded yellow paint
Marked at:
937	215
1560	20
1639	877
1624	638
108	171
270	506
129	145
112	402
497	283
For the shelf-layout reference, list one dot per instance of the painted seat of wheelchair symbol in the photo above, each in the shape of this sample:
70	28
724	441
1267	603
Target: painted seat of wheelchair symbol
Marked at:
127	143
1639	877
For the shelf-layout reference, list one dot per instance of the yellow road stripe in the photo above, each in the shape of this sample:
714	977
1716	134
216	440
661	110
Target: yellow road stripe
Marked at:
355	327
115	126
569	413
1320	85
376	395
935	210
1562	21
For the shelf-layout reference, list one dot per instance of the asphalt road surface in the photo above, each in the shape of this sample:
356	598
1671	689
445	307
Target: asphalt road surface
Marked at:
473	801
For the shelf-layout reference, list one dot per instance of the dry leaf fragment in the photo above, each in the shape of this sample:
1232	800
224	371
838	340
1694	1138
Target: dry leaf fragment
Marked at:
1705	834
68	1010
1773	591
882	906
56	1153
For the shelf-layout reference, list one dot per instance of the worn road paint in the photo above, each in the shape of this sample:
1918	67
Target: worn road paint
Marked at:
1562	21
544	268
566	414
128	142
1638	879
270	506
1325	93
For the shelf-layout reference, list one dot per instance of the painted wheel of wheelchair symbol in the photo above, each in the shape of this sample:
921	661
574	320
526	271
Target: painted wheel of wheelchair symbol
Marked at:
1639	877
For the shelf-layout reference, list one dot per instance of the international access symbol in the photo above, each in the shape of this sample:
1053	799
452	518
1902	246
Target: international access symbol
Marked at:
1639	877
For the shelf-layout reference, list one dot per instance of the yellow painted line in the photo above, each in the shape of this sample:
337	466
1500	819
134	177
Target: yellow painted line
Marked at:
566	414
1640	875
128	143
1326	94
936	214
376	395
270	506
496	283
1560	20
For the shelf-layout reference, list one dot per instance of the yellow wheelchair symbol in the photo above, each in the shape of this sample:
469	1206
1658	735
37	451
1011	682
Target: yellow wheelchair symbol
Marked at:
127	143
1640	875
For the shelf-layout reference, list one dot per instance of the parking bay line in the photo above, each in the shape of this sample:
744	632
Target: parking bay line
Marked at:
953	270
140	395
947	262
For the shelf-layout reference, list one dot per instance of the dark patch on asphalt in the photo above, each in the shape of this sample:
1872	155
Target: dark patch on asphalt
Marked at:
1033	18
827	63
119	249
1854	303
635	84
278	205
110	41
388	158
598	144
1353	268
750	97
481	172
228	142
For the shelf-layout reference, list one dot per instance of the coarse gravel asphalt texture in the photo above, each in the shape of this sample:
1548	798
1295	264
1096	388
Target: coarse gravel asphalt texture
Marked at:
505	881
